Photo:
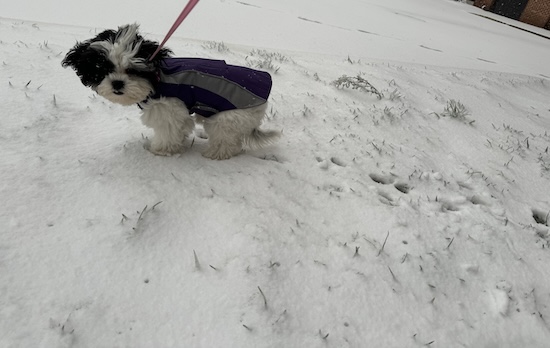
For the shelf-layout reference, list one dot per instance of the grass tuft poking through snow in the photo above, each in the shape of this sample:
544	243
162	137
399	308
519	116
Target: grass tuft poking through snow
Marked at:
216	46
455	109
262	59
358	83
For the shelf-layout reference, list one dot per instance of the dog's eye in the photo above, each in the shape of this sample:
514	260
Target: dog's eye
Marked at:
132	72
148	75
93	68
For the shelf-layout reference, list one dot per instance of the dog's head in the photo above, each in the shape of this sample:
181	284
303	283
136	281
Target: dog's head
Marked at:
116	64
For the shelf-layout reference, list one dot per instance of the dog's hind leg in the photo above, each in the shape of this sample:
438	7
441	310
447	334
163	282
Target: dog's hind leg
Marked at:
171	122
255	137
223	142
229	130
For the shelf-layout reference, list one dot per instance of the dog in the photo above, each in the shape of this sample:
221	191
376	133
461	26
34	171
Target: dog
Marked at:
175	93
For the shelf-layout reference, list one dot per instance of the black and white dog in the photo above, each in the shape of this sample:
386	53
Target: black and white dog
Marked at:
230	101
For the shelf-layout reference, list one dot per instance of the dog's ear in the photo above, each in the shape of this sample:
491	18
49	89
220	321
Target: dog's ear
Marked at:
77	53
74	55
148	48
90	64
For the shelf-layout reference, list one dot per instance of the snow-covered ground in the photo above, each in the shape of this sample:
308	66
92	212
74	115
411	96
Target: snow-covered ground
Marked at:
371	223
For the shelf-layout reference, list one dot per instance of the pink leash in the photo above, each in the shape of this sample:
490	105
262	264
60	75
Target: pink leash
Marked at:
176	24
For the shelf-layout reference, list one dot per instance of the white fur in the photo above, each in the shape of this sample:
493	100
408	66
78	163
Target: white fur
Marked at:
228	131
171	122
122	52
136	89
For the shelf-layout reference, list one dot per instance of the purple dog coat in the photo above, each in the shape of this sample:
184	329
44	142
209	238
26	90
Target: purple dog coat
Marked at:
209	86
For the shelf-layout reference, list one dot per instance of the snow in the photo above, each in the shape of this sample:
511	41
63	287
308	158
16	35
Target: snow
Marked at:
371	223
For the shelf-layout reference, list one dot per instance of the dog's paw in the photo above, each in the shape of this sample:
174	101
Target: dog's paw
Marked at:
216	155
221	153
164	150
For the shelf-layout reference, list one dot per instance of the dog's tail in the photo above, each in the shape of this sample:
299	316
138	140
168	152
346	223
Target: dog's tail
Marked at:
259	138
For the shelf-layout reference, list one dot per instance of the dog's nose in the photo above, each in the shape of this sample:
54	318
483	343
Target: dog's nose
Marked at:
118	85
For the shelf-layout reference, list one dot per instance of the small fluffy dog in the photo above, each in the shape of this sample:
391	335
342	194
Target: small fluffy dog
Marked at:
230	101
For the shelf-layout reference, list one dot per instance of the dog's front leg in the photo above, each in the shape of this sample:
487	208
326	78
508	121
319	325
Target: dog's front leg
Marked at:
171	122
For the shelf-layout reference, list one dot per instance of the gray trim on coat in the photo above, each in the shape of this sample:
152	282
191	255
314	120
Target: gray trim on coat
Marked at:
233	92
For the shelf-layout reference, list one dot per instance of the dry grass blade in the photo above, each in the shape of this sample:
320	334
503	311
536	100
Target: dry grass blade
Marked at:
384	244
358	83
263	296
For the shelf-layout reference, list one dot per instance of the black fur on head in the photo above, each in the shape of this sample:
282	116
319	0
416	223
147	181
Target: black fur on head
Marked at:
123	51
